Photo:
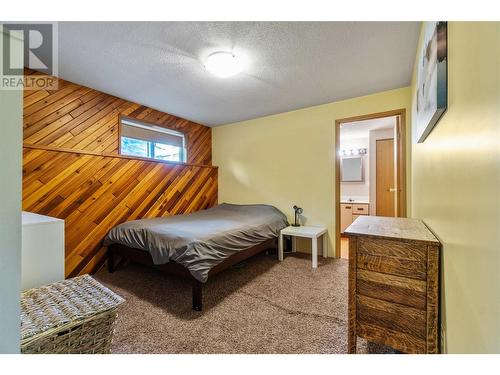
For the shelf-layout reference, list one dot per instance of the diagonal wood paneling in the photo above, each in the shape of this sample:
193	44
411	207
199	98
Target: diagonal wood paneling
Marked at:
72	170
93	193
81	118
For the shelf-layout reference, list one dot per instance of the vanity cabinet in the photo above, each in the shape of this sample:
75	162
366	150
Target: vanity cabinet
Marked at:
350	212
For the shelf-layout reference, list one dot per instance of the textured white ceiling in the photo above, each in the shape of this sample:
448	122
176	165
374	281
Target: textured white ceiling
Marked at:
361	129
290	65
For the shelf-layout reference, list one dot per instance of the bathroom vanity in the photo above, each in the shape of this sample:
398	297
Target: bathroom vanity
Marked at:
350	211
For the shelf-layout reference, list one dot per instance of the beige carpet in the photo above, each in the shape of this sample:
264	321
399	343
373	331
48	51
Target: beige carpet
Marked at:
260	306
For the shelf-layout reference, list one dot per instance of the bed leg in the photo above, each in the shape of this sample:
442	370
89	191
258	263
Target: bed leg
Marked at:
111	260
197	295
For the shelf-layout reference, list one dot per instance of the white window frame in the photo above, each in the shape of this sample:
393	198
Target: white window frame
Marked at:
152	127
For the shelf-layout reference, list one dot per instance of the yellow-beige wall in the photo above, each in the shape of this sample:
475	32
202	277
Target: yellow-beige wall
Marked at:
453	182
289	158
456	189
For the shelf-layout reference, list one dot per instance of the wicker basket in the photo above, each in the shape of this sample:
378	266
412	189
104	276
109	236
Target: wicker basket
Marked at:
73	316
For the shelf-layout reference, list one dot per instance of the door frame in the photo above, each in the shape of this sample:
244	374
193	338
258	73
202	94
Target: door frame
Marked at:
400	163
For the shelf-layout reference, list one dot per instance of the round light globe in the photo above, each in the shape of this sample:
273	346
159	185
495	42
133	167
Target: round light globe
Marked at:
223	64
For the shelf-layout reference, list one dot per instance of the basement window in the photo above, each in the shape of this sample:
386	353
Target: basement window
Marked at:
150	141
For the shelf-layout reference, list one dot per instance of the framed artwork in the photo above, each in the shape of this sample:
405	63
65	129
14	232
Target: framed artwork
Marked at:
432	78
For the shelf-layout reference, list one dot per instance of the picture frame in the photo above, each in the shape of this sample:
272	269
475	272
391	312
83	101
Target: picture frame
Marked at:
432	78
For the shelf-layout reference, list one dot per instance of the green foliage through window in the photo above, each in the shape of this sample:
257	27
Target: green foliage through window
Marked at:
153	150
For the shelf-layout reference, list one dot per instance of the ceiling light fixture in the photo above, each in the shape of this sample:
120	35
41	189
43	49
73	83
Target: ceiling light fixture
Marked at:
223	64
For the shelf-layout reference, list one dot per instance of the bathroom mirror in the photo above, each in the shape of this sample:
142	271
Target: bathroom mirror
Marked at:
352	169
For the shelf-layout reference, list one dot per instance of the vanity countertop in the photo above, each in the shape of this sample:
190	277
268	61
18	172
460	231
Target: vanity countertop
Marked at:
354	201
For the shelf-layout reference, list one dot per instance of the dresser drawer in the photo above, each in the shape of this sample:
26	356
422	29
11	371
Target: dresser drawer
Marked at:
393	266
393	258
391	248
360	209
386	315
390	288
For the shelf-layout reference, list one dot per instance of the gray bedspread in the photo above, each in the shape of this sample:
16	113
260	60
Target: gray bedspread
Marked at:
201	240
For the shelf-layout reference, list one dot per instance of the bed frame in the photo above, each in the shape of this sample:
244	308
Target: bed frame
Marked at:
176	269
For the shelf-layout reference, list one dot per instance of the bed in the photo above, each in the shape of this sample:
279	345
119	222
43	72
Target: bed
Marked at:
197	245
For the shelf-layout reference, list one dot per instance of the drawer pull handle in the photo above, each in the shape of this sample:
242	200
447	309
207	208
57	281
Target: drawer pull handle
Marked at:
360	209
348	207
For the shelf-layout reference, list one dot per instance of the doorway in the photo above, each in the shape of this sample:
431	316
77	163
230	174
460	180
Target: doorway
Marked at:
370	171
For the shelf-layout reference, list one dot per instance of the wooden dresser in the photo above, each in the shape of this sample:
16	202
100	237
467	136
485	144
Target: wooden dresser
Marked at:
393	284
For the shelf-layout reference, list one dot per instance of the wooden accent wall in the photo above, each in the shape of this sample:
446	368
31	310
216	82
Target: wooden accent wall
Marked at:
72	170
81	118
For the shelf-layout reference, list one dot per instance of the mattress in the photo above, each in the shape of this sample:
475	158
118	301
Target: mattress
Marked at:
201	240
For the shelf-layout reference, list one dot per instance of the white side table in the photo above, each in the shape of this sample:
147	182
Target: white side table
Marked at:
306	232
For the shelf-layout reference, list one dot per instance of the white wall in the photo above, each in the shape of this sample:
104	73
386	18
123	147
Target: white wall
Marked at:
374	136
356	190
10	217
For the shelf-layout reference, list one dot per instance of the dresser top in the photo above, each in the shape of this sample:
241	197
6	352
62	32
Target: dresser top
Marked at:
391	227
